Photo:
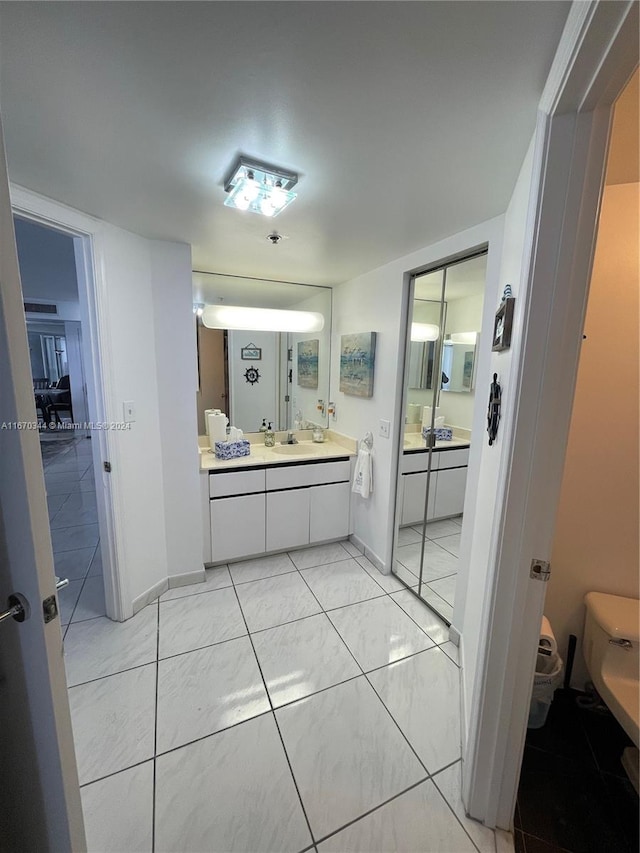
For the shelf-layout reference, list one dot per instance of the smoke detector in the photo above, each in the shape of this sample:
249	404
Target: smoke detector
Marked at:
274	238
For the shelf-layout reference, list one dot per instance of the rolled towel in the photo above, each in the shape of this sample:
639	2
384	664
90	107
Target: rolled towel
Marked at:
547	637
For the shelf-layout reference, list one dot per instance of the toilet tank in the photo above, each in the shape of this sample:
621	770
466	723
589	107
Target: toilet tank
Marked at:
608	617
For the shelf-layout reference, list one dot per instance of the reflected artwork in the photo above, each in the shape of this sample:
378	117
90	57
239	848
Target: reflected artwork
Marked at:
308	363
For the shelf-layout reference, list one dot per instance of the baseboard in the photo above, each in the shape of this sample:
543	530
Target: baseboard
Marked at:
150	595
186	578
504	841
355	540
369	554
454	636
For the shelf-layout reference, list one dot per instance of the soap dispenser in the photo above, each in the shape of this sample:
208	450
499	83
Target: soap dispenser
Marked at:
269	437
263	425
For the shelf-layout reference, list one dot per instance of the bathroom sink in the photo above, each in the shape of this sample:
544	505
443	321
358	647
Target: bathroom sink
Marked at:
293	449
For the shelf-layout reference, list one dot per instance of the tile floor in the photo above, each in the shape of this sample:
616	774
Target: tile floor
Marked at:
73	519
440	568
574	794
301	701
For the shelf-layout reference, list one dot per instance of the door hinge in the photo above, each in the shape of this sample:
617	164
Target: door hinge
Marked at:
540	570
287	399
49	609
107	467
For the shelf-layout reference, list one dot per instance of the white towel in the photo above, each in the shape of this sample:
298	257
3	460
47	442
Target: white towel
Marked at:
363	474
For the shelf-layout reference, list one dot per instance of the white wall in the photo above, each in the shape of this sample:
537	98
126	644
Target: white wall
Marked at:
175	347
477	547
251	403
374	302
596	540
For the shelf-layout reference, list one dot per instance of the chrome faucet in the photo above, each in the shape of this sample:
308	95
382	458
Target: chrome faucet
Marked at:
291	439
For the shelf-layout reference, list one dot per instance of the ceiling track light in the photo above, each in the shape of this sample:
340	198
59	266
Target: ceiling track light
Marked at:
259	187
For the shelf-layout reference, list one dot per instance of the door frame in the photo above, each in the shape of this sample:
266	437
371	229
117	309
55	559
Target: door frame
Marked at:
88	239
596	56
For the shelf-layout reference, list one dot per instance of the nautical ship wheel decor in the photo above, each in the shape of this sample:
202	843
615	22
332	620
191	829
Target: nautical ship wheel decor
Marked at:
252	375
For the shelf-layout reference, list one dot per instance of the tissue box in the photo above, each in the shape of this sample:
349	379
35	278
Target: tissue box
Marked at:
232	449
442	434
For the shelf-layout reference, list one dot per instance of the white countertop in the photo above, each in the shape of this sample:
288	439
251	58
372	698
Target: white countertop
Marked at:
304	451
414	441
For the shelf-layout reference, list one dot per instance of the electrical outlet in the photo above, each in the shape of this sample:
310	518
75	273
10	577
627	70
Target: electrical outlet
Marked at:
129	409
385	428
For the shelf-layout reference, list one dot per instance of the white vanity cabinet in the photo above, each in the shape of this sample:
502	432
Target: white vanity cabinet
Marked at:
447	488
277	507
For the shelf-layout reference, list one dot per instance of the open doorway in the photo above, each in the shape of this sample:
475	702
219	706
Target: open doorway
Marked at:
55	335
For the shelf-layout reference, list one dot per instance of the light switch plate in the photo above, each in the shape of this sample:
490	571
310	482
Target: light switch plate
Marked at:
129	410
385	428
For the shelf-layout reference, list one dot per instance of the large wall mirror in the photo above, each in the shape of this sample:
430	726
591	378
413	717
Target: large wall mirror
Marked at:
442	353
277	375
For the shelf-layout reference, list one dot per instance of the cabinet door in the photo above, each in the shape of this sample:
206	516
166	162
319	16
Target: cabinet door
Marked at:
415	488
450	492
237	527
287	519
329	512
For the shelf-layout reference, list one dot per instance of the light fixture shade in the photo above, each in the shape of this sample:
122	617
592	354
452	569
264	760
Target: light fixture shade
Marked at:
424	332
258	187
261	319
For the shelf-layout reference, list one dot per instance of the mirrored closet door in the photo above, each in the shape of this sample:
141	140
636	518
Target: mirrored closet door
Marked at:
443	339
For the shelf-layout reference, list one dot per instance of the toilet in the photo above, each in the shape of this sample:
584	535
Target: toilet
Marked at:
611	642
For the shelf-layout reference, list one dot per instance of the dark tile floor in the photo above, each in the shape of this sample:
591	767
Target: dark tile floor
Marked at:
574	794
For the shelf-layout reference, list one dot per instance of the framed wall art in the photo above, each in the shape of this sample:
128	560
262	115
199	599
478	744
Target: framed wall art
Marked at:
503	325
357	364
251	353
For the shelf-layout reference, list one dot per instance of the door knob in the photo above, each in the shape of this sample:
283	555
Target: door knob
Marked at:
17	608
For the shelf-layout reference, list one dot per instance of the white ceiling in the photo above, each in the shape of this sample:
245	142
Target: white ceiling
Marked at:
407	121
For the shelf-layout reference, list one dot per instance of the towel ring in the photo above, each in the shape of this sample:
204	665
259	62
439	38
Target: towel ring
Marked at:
368	440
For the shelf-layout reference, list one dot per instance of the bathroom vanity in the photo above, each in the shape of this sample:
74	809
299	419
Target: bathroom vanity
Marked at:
448	479
281	497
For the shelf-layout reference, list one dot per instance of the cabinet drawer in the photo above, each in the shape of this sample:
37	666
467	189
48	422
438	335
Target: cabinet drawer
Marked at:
410	463
287	519
454	458
237	527
294	476
329	507
236	483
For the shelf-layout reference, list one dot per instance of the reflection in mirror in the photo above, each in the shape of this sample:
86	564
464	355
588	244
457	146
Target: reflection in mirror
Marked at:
251	375
443	327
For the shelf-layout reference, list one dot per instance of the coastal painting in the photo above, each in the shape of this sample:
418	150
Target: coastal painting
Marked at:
357	362
308	363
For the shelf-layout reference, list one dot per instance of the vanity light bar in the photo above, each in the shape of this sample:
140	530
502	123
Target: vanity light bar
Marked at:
261	319
424	332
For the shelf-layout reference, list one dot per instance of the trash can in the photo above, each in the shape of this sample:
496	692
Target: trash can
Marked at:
547	677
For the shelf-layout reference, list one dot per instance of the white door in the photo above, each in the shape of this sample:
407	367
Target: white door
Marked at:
39	791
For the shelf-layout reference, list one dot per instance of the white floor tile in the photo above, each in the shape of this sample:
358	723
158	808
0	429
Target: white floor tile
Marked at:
80	500
435	529
101	647
302	657
404	574
346	753
378	632
72	538
422	694
74	517
113	722
261	567
199	620
96	564
445	588
389	583
437	602
407	536
274	601
420	613
73	564
118	811
55	502
216	578
231	792
351	549
67	487
438	563
418	820
53	478
339	584
450	543
91	602
202	692
449	782
319	555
